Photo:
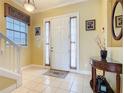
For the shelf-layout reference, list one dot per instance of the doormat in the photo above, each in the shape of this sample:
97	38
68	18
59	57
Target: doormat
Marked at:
57	73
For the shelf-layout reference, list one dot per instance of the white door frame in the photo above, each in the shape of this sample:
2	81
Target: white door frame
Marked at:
78	31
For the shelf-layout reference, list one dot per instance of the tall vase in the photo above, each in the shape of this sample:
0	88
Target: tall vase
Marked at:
103	54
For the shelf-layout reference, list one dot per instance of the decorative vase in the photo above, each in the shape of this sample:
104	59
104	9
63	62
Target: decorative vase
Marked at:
103	54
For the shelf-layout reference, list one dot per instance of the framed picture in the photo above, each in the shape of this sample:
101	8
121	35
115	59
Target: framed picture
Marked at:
118	21
37	31
90	25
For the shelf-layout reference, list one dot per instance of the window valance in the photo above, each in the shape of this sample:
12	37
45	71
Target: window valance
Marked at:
10	11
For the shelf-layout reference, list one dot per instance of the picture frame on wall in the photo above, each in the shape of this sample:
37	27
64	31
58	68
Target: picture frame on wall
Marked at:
37	31
119	21
90	25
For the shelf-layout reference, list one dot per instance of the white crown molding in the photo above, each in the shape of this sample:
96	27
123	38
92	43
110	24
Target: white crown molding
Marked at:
26	67
57	6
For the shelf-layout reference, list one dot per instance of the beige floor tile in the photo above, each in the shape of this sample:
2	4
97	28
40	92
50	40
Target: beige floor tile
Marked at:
47	82
31	85
50	90
40	88
21	90
79	92
62	91
32	91
55	84
77	88
34	81
66	85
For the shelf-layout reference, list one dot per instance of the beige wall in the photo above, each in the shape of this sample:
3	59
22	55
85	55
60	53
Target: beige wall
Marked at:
87	10
25	51
92	9
114	52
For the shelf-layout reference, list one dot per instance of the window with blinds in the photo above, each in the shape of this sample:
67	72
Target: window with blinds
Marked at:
17	31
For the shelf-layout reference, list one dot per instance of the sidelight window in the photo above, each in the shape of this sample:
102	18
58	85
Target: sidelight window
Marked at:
73	31
47	43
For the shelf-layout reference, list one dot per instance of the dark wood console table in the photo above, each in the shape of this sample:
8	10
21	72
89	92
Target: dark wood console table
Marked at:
108	65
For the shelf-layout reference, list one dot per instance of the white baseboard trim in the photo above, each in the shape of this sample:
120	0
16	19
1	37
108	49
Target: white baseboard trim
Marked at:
39	66
29	66
26	67
47	67
9	89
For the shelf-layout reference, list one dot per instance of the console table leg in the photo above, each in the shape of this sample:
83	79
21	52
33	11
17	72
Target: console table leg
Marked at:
92	73
118	83
94	80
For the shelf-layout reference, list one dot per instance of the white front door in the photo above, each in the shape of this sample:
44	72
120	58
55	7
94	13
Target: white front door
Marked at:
60	43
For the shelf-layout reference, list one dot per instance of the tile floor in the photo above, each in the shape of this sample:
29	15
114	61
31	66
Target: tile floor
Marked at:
35	82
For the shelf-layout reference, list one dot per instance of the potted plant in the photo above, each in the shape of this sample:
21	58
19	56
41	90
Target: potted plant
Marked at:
101	43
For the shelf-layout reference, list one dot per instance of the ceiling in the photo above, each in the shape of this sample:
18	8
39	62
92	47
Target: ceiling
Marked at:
43	5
